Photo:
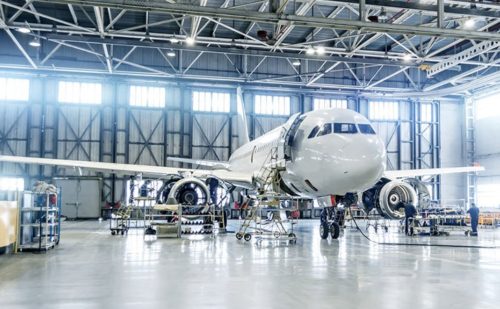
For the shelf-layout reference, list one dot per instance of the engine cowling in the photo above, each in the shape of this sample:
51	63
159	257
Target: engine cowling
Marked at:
190	192
387	195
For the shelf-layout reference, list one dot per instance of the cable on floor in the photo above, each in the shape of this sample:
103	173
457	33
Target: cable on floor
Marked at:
416	245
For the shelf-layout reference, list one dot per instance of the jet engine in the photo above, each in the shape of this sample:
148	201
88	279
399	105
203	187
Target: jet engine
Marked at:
386	195
192	192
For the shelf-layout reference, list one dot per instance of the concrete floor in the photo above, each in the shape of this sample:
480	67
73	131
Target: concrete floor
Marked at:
92	269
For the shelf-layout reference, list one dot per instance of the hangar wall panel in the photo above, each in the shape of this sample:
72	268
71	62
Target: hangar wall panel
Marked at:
117	132
454	187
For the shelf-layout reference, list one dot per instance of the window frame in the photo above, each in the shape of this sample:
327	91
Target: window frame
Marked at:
377	110
12	86
326	129
367	125
350	125
323	101
272	105
76	99
199	102
147	95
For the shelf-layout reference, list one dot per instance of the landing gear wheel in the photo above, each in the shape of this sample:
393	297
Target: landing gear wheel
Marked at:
323	230
248	237
123	233
277	234
335	230
113	233
239	235
293	238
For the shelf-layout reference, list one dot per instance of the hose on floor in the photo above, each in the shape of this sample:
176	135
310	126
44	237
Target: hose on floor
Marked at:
416	245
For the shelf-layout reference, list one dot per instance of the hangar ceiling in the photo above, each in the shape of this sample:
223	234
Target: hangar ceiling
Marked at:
391	48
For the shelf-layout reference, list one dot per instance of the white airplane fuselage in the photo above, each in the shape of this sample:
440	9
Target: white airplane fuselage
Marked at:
343	154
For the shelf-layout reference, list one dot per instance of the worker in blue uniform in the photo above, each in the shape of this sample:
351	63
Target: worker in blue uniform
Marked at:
474	218
410	213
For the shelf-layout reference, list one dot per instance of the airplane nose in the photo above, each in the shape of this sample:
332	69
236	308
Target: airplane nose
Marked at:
365	161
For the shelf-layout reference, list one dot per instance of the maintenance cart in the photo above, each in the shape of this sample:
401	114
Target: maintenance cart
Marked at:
120	220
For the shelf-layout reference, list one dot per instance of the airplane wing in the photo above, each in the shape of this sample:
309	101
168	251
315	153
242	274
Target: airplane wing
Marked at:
207	163
431	172
240	179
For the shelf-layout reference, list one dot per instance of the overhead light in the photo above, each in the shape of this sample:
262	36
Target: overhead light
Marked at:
174	40
469	23
296	63
310	51
407	58
190	40
320	50
171	54
24	29
35	42
382	17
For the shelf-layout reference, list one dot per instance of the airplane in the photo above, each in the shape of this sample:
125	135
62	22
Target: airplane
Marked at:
331	155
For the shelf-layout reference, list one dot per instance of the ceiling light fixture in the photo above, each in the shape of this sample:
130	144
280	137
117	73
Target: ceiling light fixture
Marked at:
174	40
190	40
320	50
382	17
24	30
310	51
171	54
469	23
296	63
35	42
407	57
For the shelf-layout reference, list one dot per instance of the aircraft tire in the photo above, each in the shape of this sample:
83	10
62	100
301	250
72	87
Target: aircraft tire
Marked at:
323	230
335	230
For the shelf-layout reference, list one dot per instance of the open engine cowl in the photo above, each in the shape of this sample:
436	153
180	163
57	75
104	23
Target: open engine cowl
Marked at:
387	195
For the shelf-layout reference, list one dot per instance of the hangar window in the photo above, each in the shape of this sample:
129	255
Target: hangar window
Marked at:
11	184
345	128
14	89
272	105
426	112
207	101
145	96
80	93
321	103
384	110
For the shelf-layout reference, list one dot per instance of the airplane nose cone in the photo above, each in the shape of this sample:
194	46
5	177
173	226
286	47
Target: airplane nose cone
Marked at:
365	161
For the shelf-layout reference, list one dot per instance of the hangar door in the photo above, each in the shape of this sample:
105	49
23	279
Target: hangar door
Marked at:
80	197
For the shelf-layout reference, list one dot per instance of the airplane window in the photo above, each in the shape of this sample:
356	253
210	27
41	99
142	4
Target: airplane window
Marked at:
327	129
345	128
313	132
366	129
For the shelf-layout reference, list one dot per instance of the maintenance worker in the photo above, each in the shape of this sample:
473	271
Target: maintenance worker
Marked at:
410	212
474	218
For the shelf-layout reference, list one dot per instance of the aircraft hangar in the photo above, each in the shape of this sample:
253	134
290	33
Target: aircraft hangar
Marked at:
249	153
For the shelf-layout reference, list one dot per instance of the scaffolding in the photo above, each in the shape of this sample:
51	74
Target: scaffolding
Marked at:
270	212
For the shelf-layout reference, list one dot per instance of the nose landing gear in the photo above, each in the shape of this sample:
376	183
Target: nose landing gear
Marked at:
331	221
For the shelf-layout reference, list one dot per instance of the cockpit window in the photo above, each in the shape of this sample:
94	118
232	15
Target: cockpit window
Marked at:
366	129
345	128
327	129
313	132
